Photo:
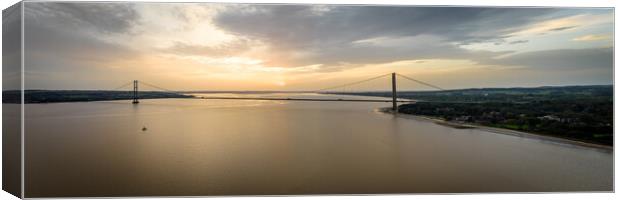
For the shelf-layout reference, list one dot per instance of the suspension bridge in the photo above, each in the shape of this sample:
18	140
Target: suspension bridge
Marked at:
347	88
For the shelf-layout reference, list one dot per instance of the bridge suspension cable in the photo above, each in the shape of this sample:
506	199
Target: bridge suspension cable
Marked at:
352	83
160	88
123	85
378	77
420	82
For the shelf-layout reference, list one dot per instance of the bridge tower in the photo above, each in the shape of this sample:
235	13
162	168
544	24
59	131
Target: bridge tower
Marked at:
394	104
135	92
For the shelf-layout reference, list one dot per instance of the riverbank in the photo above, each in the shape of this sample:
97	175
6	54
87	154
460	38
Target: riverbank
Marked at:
501	131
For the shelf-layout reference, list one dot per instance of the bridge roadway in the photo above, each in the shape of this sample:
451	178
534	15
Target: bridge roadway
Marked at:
307	99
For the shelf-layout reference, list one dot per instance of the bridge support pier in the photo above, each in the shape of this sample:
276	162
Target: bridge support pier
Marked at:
394	103
135	92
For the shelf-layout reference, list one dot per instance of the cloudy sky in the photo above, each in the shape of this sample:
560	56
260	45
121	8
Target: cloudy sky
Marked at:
303	47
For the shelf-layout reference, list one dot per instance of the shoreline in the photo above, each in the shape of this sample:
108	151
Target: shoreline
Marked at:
501	131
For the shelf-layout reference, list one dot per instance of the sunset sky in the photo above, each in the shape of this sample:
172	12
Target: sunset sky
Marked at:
205	46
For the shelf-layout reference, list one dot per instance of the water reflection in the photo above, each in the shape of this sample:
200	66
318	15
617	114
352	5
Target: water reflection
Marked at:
233	147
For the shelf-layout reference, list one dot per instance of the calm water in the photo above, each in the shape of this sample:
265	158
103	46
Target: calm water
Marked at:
235	147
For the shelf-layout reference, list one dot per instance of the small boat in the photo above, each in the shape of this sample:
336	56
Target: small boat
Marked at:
144	128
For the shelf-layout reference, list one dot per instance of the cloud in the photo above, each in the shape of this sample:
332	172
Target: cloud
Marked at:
72	37
562	28
560	59
70	46
100	17
302	25
334	35
77	31
11	51
578	18
382	50
518	42
203	39
591	38
222	50
74	32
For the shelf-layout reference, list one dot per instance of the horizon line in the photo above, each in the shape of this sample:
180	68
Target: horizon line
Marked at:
315	91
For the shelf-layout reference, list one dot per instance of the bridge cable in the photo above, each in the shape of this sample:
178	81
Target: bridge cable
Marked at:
157	87
34	91
124	85
353	83
421	82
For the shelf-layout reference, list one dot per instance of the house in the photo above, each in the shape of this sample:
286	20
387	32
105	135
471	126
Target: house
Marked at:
550	118
464	118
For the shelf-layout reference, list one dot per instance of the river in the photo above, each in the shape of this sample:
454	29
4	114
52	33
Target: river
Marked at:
253	147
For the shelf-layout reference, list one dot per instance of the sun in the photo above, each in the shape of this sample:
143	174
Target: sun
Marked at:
280	83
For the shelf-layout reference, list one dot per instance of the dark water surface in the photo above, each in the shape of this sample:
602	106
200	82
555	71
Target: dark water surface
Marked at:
236	147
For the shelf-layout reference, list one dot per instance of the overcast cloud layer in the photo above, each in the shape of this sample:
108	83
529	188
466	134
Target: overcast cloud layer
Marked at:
98	45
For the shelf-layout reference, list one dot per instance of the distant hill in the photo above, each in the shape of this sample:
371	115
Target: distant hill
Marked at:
55	96
516	94
472	95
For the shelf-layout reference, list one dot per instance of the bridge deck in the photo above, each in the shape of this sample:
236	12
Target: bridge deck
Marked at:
307	99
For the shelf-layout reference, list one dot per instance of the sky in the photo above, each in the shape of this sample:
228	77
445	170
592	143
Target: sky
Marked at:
208	46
